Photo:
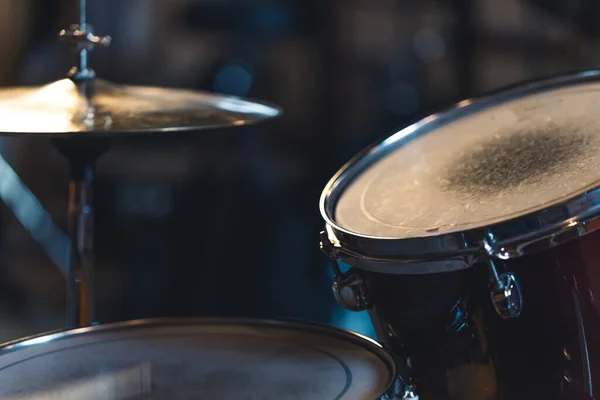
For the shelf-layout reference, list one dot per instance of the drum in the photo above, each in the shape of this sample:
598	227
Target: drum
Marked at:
471	237
195	359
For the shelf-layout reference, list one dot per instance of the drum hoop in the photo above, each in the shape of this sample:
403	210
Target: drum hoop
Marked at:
357	339
563	220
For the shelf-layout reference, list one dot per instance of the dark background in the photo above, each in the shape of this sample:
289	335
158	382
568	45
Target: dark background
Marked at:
227	222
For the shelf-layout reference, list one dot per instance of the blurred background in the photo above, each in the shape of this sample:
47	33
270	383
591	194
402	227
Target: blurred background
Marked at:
227	222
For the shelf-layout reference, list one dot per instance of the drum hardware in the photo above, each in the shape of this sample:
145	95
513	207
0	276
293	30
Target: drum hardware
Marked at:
389	264
348	288
82	155
349	291
505	291
81	37
564	232
401	389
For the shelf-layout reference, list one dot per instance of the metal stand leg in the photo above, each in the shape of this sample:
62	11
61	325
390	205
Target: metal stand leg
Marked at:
80	276
80	273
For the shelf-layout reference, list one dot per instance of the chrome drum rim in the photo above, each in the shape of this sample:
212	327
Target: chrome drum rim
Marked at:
564	220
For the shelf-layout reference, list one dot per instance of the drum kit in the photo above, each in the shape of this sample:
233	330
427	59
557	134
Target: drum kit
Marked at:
472	239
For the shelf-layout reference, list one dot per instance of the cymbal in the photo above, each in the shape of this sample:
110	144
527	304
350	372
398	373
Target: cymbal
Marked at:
101	108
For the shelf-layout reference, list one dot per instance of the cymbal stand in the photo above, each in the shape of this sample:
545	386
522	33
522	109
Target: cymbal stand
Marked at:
82	154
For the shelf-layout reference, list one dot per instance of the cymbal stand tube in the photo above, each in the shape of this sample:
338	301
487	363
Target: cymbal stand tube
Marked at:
82	14
80	275
82	156
83	52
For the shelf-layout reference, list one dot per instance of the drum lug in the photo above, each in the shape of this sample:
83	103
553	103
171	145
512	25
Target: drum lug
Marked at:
505	290
348	288
350	291
401	390
505	293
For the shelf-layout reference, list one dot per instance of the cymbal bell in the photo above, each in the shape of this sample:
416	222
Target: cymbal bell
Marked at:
101	108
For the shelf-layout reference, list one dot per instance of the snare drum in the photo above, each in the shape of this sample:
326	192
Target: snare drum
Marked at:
472	239
196	359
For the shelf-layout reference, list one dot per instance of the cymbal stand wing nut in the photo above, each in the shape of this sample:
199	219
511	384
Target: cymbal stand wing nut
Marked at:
81	37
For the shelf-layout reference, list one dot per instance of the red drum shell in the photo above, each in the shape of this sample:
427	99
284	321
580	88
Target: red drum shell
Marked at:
459	347
552	350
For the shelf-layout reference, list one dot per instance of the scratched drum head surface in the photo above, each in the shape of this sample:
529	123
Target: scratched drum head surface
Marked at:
199	359
479	165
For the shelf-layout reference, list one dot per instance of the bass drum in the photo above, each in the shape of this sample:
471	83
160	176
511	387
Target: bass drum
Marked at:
472	240
223	359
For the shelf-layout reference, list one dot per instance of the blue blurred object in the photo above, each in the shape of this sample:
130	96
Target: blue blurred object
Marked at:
234	78
257	19
429	45
272	17
402	98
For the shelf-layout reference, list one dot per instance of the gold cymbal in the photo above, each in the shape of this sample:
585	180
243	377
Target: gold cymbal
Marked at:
100	108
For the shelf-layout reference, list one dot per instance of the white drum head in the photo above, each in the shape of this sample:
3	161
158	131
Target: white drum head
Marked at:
483	167
196	359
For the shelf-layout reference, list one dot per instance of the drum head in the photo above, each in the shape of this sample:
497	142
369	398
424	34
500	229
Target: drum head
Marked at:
199	359
486	162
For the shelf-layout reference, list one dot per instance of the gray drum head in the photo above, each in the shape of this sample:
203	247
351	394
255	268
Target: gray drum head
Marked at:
483	163
197	359
505	175
480	169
